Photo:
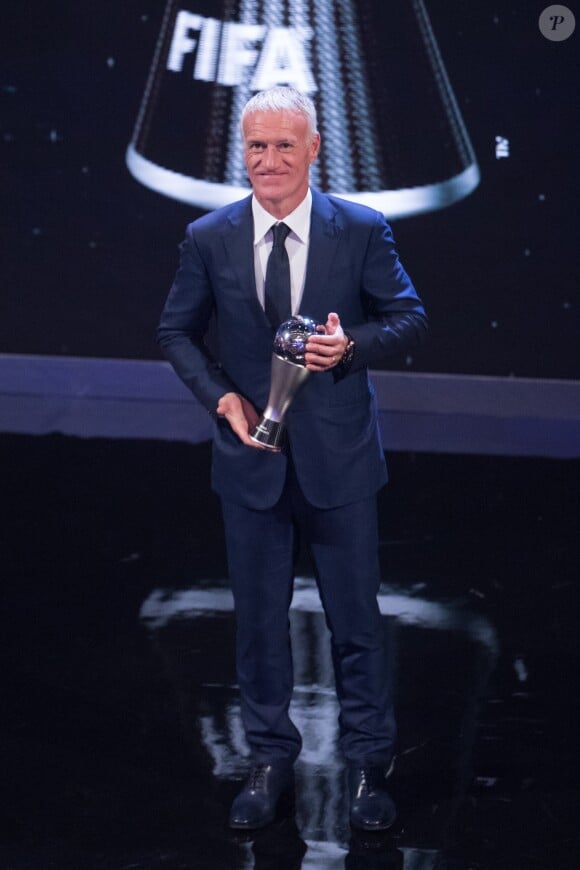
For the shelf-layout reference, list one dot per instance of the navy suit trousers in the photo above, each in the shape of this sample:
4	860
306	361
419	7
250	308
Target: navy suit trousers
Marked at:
343	542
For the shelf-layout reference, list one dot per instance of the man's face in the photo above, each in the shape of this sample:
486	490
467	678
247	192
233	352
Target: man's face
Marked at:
278	151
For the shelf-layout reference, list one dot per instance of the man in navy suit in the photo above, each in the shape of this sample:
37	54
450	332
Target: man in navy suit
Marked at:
345	273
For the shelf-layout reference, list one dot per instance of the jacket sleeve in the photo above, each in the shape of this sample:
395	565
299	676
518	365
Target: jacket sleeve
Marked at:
184	323
395	316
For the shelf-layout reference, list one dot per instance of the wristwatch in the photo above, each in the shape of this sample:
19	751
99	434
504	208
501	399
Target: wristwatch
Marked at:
345	362
348	355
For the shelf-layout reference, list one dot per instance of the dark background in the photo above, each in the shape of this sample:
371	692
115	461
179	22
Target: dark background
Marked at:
89	254
104	767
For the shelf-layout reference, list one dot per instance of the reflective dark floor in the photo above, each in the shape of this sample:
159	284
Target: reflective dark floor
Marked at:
122	743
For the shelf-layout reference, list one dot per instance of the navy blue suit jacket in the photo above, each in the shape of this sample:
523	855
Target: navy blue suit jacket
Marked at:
352	269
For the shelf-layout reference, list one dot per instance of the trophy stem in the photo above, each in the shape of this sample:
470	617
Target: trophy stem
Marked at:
287	378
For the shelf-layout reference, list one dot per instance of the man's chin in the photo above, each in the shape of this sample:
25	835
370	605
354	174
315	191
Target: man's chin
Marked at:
269	182
271	192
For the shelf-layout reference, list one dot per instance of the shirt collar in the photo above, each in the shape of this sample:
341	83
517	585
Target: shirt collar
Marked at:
298	220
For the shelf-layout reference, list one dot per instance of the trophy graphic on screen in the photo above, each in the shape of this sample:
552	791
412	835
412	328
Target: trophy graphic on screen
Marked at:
392	133
289	373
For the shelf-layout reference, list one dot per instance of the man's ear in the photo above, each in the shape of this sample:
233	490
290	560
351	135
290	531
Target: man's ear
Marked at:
314	147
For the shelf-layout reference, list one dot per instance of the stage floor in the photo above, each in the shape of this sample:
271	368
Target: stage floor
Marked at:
122	740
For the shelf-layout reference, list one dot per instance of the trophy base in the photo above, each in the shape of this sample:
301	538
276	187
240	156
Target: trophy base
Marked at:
269	434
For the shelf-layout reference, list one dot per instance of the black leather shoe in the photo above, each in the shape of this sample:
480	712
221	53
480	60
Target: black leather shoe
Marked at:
371	806
256	804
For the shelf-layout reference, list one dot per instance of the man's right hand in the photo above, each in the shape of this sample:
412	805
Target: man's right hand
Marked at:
241	415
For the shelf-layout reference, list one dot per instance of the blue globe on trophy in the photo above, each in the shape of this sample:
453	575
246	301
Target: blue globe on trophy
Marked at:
289	373
292	337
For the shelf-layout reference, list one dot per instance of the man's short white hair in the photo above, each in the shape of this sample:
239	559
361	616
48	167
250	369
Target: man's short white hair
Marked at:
282	99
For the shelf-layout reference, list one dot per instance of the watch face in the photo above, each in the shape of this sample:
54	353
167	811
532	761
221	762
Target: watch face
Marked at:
348	354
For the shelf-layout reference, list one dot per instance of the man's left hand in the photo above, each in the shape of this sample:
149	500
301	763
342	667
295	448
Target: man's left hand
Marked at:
324	351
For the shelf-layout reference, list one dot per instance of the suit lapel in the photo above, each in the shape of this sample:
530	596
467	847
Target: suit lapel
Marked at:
238	238
324	238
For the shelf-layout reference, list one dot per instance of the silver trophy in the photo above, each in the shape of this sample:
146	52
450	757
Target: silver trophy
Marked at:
289	372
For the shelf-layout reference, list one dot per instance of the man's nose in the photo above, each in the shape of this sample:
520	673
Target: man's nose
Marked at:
271	156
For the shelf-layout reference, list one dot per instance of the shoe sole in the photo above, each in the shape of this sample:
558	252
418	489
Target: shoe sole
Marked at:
285	806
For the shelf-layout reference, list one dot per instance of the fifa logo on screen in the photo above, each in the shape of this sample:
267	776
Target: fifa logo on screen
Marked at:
392	133
226	51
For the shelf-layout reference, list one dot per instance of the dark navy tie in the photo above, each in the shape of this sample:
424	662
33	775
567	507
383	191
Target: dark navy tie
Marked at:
277	299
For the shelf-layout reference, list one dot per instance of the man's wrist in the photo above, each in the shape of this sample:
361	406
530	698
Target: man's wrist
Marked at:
342	367
348	353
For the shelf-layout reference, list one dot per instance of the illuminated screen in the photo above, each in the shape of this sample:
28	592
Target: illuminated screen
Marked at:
458	121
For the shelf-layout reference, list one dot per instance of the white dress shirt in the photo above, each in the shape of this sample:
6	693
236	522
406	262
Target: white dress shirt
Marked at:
296	244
